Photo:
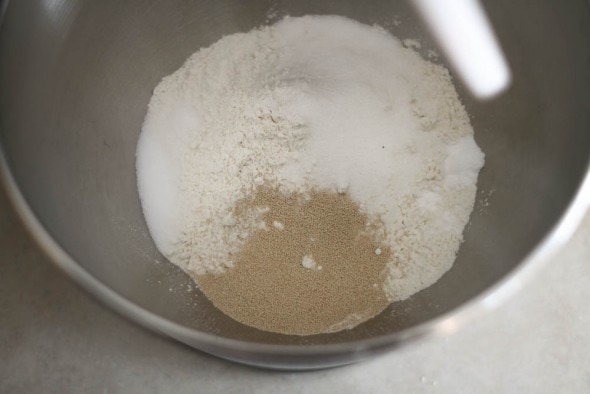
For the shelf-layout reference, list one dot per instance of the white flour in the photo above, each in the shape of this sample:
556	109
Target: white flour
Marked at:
309	102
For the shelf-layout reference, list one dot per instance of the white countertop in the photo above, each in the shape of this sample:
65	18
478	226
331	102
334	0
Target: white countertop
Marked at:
55	338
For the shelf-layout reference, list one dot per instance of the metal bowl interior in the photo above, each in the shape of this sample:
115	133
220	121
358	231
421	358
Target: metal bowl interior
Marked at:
76	77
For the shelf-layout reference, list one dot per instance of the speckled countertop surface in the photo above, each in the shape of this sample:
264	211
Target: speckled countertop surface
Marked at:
55	338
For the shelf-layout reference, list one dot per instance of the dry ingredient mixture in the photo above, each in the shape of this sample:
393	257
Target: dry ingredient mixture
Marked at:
309	173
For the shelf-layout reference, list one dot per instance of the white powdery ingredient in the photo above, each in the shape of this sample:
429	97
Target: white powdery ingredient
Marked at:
316	101
309	263
278	225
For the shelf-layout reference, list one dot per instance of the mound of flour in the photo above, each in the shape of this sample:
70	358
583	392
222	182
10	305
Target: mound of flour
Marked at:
313	102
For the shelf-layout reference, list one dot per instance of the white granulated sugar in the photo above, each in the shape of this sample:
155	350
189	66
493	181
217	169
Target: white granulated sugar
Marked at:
311	102
463	162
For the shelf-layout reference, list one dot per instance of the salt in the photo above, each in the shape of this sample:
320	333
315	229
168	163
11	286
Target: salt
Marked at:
309	263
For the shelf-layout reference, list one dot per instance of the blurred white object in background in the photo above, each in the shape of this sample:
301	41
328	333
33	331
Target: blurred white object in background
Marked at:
468	41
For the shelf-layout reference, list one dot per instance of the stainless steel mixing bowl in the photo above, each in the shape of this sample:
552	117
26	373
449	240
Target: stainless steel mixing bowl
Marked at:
75	80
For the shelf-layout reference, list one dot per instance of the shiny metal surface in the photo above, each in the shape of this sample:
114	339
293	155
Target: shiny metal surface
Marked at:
75	79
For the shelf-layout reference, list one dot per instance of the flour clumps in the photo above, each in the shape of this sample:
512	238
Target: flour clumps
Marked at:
308	107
